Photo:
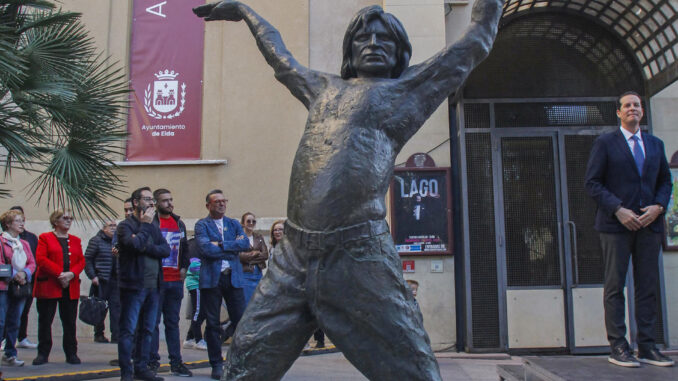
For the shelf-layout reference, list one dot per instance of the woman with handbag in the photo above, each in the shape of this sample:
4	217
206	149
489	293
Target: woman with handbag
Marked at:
57	282
17	262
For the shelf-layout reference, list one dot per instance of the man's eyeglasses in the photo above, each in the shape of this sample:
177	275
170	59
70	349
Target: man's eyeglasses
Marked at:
147	199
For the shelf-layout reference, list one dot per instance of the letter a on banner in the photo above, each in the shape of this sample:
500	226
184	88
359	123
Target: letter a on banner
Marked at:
166	63
157	9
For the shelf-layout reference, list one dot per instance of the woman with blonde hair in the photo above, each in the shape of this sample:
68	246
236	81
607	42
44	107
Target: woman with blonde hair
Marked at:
60	262
277	234
16	253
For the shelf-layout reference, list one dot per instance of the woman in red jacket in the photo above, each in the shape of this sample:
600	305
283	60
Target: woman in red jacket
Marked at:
60	261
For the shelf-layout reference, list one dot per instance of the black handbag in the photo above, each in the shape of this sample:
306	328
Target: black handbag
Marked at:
92	310
19	291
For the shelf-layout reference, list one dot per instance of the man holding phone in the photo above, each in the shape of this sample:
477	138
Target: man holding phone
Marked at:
141	250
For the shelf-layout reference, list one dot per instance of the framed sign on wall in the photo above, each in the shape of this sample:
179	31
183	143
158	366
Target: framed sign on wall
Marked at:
421	215
671	215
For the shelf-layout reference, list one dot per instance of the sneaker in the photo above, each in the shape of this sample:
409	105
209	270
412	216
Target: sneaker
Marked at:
11	361
621	356
180	370
39	360
153	366
25	343
189	344
2	345
652	356
147	375
200	345
100	339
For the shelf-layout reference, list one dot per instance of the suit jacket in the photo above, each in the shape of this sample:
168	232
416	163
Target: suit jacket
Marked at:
50	259
211	255
613	180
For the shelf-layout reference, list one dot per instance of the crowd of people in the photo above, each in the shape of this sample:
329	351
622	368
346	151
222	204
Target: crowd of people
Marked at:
140	267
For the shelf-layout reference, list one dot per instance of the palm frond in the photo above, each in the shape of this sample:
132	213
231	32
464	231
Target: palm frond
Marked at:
62	108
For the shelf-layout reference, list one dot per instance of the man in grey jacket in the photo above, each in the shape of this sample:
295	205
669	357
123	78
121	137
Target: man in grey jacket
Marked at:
101	268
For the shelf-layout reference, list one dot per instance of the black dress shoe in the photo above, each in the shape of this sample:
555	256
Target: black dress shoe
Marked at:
622	356
217	372
73	359
40	360
100	339
652	356
115	362
147	375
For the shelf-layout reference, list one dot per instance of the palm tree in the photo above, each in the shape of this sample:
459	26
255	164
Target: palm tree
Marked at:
61	108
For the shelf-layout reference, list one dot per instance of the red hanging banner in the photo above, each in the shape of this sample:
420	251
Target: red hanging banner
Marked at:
166	68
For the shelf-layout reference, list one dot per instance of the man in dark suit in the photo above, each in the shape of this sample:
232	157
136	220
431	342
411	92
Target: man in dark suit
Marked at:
628	177
219	240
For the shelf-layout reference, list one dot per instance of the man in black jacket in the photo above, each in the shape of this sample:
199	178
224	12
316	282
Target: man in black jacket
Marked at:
101	268
142	248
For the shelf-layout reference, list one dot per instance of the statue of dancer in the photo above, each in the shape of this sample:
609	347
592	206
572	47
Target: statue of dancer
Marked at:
338	268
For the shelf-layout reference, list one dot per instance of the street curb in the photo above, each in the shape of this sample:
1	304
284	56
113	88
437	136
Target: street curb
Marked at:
115	372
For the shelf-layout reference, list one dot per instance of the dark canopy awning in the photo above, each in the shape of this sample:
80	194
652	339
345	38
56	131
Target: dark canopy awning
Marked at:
649	28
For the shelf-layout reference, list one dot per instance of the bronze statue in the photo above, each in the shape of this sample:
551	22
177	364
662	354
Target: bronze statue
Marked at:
338	268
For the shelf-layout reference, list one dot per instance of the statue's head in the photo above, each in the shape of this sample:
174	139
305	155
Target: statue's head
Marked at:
375	43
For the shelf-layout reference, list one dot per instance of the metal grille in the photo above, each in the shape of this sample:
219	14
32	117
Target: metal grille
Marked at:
555	114
476	115
530	212
482	253
588	259
549	55
648	27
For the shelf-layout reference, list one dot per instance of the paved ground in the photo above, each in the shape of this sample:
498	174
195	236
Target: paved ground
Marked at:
331	366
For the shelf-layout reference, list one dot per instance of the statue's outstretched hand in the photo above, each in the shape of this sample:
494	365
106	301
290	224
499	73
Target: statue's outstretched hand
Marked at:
228	10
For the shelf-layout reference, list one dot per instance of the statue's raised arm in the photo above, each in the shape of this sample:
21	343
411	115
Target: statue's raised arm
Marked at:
435	79
305	84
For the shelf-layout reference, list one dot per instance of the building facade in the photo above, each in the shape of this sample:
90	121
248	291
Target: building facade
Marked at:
525	273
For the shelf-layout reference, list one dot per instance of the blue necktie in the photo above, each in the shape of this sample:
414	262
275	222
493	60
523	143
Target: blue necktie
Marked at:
638	155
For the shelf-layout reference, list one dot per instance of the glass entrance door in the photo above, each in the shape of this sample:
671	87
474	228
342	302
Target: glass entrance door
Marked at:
550	253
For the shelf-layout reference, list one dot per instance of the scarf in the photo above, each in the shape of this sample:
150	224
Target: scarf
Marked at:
18	254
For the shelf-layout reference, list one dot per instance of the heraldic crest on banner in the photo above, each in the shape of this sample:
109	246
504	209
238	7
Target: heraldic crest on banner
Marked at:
162	101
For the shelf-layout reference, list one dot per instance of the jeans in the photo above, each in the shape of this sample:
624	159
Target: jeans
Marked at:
210	300
250	282
132	303
171	294
10	316
68	313
109	291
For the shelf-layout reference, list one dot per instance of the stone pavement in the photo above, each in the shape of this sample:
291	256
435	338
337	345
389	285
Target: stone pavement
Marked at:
327	366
